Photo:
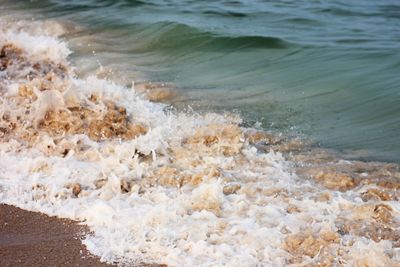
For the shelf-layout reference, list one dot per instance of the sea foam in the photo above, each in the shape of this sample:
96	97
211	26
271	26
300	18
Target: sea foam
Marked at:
165	187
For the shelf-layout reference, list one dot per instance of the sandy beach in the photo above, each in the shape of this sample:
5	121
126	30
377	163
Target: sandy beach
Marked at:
35	239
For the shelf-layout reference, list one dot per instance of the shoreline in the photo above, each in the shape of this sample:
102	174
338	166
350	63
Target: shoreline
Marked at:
180	188
35	239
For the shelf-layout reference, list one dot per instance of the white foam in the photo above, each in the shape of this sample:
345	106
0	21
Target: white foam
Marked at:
192	225
37	46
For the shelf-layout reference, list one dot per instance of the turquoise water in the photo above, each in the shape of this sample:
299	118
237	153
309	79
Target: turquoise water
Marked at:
327	70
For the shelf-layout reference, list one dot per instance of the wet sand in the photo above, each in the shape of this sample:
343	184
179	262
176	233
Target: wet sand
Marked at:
34	239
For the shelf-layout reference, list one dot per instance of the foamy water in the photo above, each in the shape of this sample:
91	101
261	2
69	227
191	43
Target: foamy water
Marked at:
177	188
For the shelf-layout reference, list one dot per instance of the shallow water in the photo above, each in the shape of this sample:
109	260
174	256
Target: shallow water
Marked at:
324	69
78	140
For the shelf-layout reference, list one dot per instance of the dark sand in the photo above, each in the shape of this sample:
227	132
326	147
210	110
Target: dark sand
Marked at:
34	239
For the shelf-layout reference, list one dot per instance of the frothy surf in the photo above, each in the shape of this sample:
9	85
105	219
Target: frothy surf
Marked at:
177	188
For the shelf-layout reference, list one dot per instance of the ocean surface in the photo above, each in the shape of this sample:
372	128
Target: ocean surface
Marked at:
326	70
207	133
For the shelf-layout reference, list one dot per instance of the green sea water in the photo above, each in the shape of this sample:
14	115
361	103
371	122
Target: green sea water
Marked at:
326	70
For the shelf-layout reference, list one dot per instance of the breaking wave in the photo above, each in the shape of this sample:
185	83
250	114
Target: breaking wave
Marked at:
178	188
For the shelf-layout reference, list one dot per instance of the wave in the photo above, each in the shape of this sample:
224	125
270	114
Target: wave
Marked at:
172	35
225	13
178	188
